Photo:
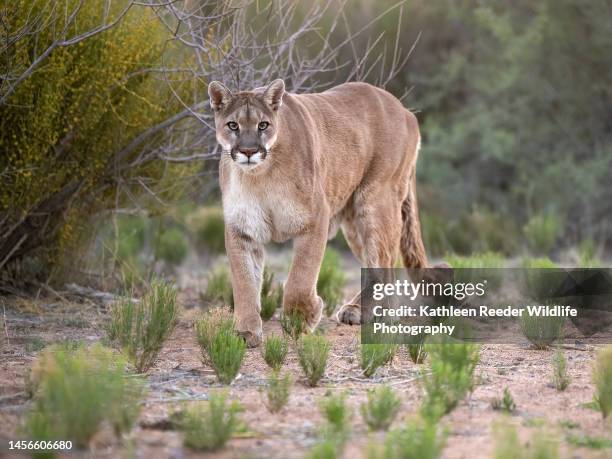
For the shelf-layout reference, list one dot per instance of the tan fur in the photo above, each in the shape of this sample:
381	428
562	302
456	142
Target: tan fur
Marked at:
344	157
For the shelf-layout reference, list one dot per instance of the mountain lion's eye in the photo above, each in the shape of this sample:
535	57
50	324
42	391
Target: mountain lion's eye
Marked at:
232	125
263	125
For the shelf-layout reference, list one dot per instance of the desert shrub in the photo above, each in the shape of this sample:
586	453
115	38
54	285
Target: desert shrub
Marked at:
313	351
505	403
75	391
542	232
450	378
327	449
418	439
560	377
207	227
374	356
212	322
541	331
209	426
65	130
171	246
141	328
382	407
508	445
219	287
417	352
275	351
271	295
277	391
602	377
293	324
226	354
337	418
331	280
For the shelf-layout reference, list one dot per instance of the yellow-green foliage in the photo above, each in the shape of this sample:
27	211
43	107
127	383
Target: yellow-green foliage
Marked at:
65	123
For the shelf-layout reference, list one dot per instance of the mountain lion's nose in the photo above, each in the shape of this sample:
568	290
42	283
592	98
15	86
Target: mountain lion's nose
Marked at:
248	152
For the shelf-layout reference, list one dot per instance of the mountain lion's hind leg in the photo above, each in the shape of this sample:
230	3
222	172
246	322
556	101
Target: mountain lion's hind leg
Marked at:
373	228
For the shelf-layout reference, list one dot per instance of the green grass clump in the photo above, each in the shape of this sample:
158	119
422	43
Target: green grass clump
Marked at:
586	441
141	329
76	391
542	232
277	392
171	246
275	351
331	281
477	261
505	403
541	331
327	449
374	356
508	445
561	379
602	377
418	439
382	407
313	351
207	227
337	418
212	322
271	296
293	324
218	287
451	376
208	427
226	354
587	255
417	352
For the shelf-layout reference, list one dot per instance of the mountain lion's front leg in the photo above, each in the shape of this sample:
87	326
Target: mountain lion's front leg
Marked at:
301	287
246	257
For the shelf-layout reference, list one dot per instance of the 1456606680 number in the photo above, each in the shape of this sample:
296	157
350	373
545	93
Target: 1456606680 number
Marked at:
41	445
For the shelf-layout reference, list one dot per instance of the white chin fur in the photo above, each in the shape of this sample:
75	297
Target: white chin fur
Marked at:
254	160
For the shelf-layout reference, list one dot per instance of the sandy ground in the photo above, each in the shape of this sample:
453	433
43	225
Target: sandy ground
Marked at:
179	374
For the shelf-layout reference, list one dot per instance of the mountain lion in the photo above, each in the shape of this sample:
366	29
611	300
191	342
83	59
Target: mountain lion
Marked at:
298	166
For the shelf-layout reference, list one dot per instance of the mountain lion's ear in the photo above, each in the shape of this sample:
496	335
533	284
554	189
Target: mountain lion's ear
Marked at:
219	95
273	95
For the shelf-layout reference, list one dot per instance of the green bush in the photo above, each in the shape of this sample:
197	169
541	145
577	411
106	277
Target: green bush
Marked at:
277	392
141	328
337	419
313	351
505	403
275	351
327	449
382	407
331	280
65	130
207	227
226	354
293	324
417	352
418	439
374	356
602	377
451	376
219	287
541	331
212	322
208	427
561	379
542	232
171	246
271	295
76	390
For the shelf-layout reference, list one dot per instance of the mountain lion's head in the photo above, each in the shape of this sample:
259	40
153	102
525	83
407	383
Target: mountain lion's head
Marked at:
246	122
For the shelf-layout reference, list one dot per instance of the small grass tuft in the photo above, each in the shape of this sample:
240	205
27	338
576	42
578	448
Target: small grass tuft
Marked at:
226	354
602	377
271	296
208	427
337	418
277	392
76	391
586	441
508	445
417	352
218	287
212	322
374	356
542	232
293	324
418	439
313	351
541	331
331	281
561	379
505	403
382	407
275	350
141	328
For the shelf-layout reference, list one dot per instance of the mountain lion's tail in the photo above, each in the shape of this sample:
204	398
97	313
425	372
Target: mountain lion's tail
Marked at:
411	242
